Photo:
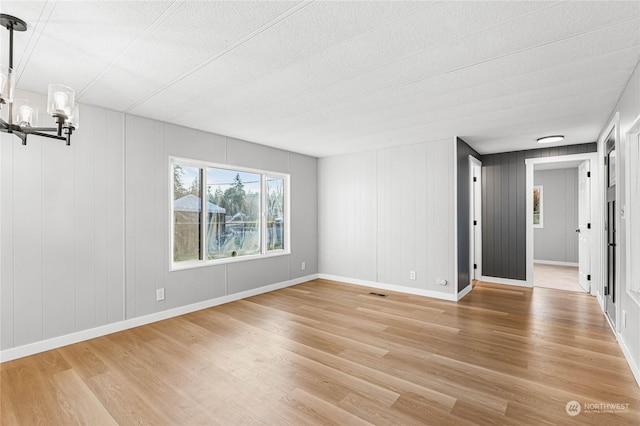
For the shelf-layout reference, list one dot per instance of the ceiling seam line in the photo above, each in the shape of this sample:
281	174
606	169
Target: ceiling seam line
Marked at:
434	46
161	19
225	51
325	50
486	61
35	43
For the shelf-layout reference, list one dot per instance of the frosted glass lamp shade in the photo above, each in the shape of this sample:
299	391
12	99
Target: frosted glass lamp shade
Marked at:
74	118
61	100
25	113
6	84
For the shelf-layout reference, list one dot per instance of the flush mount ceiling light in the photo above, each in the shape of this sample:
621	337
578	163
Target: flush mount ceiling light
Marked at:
23	114
551	139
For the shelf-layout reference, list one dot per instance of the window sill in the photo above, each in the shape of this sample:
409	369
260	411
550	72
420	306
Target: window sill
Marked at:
191	264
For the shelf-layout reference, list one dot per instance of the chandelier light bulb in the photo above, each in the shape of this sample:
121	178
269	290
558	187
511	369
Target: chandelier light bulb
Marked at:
3	82
60	100
6	86
25	117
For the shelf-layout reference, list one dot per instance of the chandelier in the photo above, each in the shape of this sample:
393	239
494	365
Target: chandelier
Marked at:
23	115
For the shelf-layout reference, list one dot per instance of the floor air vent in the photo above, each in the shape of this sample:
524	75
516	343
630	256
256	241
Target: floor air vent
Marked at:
378	294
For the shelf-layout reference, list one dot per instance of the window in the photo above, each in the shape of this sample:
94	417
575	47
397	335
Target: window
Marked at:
246	213
537	207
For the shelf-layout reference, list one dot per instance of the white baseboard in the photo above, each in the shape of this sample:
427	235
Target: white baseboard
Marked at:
627	354
80	336
555	262
465	291
507	281
391	287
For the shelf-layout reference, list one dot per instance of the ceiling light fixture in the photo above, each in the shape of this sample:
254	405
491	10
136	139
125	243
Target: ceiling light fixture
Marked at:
551	139
23	115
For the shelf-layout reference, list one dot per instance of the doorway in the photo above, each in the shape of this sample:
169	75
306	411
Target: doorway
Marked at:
475	220
562	225
582	235
610	228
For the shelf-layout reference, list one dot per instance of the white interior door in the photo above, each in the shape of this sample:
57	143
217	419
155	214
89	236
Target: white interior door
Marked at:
584	221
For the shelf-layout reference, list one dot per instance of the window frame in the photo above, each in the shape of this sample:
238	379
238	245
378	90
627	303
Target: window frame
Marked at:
264	252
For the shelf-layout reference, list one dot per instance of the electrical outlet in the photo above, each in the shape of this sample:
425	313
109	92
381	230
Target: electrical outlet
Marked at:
159	294
303	266
412	275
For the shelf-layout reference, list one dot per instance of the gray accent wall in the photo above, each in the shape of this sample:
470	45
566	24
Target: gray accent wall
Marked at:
463	151
503	209
85	229
557	240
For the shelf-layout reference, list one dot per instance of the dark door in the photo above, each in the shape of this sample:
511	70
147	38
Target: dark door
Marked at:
610	289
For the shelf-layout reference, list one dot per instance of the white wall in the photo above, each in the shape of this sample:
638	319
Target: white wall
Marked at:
85	228
61	227
628	107
387	212
557	240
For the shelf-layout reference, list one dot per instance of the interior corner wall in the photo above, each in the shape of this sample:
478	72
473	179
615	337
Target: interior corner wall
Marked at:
557	240
149	144
463	151
85	228
504	240
387	212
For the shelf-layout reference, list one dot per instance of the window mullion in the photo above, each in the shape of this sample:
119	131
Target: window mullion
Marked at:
203	214
263	213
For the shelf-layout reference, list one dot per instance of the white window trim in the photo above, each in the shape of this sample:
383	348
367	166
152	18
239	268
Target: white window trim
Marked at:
264	253
541	224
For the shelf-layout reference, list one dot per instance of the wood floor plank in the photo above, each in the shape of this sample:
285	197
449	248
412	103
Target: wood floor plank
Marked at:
325	352
77	401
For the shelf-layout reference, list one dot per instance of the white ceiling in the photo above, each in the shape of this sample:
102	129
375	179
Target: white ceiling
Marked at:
327	78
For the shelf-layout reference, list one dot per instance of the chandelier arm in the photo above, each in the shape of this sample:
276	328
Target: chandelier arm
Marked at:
11	23
33	130
45	135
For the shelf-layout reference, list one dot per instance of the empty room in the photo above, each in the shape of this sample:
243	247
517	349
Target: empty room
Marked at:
319	212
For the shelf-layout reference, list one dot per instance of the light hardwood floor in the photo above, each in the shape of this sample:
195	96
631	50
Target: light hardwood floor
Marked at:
330	353
556	276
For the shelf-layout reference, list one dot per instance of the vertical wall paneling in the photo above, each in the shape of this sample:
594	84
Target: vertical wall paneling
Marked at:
421	225
113	279
396	215
304	190
85	228
90	257
504	227
28	244
7	145
130	228
385	213
463	151
347	205
160	217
